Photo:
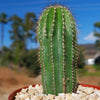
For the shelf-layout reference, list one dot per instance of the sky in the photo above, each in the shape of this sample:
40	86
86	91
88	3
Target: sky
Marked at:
86	13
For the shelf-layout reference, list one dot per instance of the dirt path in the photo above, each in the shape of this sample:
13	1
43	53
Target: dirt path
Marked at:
92	80
11	80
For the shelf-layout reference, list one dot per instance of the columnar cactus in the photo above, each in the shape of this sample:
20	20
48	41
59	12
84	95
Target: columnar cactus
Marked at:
58	50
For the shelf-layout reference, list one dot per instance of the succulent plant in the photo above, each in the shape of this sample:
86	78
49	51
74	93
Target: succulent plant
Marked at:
58	50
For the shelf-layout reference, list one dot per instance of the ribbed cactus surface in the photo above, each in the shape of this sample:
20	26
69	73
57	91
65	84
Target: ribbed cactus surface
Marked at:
58	50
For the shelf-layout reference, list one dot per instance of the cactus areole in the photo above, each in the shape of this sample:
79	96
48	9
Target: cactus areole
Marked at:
58	50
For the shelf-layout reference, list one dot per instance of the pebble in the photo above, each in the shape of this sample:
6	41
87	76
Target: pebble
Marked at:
36	93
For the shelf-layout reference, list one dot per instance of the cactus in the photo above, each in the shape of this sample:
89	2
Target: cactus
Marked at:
58	50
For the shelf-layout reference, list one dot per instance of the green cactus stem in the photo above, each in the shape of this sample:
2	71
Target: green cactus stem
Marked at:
58	50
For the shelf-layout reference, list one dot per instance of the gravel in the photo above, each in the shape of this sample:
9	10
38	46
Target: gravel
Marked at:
36	93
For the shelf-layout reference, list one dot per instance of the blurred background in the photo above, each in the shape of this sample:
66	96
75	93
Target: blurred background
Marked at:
19	65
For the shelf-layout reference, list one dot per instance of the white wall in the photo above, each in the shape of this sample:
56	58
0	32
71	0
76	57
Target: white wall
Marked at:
90	61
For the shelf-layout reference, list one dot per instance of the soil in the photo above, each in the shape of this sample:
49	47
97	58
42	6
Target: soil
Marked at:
11	80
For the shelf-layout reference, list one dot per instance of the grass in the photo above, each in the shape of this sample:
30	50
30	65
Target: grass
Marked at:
97	67
86	71
82	72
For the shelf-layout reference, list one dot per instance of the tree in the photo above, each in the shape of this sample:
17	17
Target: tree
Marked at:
29	59
81	59
97	60
22	31
3	20
7	57
16	37
97	33
29	26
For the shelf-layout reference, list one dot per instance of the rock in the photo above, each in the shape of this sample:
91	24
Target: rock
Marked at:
36	93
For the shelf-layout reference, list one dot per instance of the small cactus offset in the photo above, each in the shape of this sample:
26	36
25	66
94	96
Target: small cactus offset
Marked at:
58	50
